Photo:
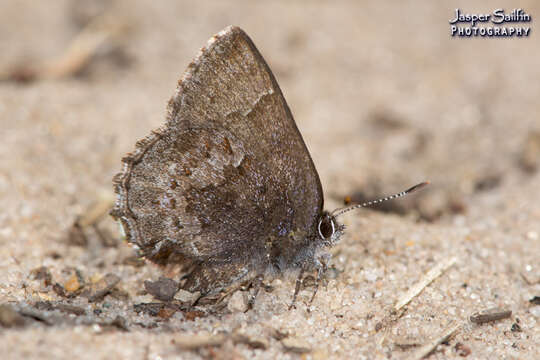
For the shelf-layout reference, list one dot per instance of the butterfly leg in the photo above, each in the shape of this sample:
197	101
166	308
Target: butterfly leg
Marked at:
317	281
256	284
321	266
297	287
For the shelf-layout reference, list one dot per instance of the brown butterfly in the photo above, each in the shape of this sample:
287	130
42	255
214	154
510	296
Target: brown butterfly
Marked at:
227	188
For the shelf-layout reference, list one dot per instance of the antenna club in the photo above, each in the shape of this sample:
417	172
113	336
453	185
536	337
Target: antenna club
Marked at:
416	187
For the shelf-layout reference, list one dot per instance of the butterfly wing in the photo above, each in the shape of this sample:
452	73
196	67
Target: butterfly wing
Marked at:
228	179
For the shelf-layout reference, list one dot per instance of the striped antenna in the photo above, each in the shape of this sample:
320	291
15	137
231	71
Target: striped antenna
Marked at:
342	211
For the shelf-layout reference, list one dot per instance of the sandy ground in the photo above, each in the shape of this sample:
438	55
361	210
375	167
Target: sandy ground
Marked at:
384	98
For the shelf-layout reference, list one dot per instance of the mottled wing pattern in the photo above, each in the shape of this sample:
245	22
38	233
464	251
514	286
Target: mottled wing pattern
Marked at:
228	180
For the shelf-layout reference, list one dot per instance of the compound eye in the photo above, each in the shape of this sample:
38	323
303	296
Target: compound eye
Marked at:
326	227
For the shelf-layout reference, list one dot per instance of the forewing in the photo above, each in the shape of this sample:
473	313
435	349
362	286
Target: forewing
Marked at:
229	175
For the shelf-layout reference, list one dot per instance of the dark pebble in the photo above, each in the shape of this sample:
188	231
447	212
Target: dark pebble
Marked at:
163	289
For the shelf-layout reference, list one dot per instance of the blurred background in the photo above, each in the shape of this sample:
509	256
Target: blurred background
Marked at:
384	98
381	92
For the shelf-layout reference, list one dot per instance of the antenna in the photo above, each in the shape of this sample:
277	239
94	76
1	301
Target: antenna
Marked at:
342	211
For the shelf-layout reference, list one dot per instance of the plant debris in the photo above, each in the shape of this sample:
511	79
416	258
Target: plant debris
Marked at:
488	315
427	349
194	342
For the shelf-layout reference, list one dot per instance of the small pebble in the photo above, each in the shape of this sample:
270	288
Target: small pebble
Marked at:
166	312
9	317
102	287
238	302
42	273
535	300
296	345
462	350
120	323
72	284
186	296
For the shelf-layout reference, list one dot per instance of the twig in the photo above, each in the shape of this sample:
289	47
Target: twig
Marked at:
430	347
194	342
102	30
417	288
530	279
97	210
489	315
76	233
398	310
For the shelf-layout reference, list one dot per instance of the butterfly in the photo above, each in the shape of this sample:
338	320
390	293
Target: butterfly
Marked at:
227	188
